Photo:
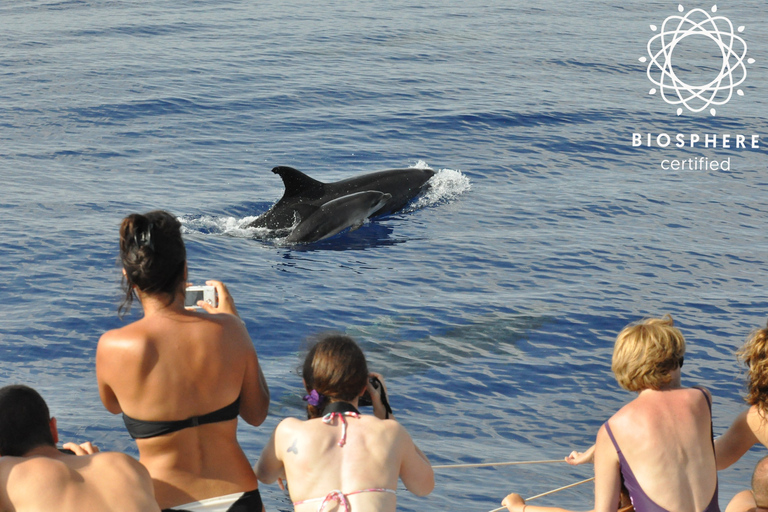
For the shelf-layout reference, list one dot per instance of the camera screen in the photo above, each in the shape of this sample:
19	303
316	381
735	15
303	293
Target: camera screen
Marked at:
192	296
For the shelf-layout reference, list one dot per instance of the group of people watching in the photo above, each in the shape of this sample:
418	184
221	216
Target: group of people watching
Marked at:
181	378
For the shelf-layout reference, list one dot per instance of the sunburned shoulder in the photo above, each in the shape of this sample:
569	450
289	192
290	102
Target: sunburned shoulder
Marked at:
649	403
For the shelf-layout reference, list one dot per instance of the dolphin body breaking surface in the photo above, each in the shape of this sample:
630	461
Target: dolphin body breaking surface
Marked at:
325	209
337	215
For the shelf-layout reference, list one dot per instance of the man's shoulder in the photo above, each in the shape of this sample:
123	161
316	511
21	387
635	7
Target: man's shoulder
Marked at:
16	471
116	461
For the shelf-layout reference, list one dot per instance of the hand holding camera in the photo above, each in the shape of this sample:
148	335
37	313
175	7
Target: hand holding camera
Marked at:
376	395
214	298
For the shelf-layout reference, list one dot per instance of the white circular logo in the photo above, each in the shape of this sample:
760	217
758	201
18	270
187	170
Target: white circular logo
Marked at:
675	90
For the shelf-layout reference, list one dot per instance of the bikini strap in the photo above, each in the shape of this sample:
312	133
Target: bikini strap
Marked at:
328	418
342	498
336	495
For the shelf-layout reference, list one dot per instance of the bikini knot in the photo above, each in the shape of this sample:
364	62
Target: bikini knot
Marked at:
328	418
336	495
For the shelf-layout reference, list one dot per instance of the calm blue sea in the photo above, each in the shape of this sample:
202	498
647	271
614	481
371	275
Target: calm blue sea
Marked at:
490	304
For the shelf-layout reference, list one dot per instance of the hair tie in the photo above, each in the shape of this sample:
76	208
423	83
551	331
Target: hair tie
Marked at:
314	398
144	239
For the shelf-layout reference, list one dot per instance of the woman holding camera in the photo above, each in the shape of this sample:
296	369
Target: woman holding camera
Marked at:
660	443
181	378
339	457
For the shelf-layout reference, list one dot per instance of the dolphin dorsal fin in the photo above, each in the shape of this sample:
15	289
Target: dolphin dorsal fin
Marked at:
297	183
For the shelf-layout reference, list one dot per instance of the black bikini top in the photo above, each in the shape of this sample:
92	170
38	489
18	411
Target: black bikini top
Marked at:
140	429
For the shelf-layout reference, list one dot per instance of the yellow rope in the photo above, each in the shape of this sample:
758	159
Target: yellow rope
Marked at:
489	464
549	492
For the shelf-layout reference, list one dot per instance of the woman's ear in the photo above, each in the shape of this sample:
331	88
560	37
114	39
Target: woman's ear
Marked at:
54	430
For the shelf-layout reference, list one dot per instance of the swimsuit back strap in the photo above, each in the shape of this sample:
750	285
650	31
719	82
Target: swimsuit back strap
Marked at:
706	396
711	425
613	440
328	418
336	495
341	497
143	429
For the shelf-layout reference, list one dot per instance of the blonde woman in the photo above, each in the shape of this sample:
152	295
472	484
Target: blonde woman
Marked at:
660	444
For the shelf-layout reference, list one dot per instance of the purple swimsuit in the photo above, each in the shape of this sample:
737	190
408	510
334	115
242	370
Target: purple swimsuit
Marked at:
640	499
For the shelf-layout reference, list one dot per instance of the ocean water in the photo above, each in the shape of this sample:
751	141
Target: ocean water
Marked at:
491	303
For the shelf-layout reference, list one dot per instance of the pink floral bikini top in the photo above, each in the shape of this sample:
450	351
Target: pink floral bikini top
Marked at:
341	410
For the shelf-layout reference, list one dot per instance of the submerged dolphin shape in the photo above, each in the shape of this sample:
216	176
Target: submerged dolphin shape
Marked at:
337	215
304	195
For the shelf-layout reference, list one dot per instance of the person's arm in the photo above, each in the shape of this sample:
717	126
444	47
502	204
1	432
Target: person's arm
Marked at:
739	438
575	458
415	470
515	503
742	502
254	394
379	409
607	474
270	467
108	360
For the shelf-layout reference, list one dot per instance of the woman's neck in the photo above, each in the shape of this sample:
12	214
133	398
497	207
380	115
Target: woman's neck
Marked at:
159	304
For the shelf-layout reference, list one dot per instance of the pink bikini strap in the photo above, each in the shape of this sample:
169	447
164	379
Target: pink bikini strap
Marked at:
328	418
336	495
339	496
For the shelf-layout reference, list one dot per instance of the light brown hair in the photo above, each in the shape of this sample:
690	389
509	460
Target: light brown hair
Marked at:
336	368
754	354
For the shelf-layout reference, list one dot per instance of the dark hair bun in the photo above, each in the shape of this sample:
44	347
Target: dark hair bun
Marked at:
153	255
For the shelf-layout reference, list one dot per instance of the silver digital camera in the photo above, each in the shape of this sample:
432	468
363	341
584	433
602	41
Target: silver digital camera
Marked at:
194	294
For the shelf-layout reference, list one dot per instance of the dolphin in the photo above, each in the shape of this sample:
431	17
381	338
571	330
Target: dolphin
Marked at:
337	215
304	196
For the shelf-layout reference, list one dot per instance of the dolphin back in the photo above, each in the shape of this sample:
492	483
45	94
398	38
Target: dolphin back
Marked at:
303	195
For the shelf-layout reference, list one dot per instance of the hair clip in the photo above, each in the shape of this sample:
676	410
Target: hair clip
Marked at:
145	238
314	398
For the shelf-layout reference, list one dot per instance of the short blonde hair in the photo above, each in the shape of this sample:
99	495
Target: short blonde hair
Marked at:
754	354
646	353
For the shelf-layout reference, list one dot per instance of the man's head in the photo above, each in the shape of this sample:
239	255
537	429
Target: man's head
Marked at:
760	483
25	422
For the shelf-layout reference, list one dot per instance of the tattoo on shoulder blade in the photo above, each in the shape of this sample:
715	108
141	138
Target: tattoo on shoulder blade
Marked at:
293	448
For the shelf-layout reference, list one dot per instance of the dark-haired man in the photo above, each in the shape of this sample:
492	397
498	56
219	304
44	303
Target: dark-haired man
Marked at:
35	475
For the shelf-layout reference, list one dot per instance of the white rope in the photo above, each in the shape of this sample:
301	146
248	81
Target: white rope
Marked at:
549	492
489	464
560	489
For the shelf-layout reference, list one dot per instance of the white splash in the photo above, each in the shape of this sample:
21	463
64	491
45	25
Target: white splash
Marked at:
444	186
